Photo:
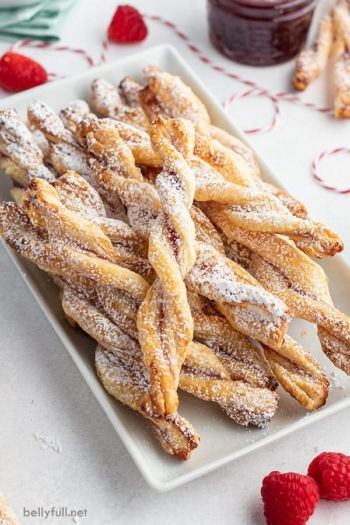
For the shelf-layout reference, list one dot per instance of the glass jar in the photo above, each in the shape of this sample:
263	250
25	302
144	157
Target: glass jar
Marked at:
260	32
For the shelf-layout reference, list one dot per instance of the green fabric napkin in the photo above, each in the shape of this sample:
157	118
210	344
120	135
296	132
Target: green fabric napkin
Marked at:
41	21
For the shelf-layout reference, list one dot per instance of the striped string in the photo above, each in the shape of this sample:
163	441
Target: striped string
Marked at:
319	179
53	47
258	93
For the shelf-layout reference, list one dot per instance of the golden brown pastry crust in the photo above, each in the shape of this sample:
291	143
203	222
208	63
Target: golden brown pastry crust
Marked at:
238	296
342	86
311	62
65	152
24	159
120	367
164	319
240	357
166	95
106	100
299	373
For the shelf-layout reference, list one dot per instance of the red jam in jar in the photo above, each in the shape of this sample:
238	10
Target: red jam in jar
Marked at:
260	32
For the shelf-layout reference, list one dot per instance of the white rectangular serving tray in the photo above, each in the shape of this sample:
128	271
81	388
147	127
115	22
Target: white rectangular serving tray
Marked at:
222	440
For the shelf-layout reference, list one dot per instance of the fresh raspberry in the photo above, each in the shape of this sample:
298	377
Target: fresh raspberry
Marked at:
331	471
289	499
127	26
18	72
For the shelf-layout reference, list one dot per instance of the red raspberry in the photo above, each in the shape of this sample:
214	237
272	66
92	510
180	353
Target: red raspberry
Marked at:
18	72
331	471
127	25
289	499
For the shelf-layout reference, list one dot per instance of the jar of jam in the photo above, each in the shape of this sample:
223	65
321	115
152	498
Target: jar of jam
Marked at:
260	32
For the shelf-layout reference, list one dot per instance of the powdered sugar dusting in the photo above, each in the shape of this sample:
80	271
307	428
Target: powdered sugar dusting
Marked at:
16	142
48	442
212	278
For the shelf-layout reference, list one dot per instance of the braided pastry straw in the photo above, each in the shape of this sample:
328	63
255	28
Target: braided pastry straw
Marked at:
164	319
106	100
310	300
298	281
235	351
311	62
299	373
333	39
259	211
176	435
65	153
341	24
236	145
80	121
247	306
77	242
119	363
129	250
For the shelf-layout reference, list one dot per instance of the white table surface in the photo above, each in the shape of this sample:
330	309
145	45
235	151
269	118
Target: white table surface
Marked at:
42	392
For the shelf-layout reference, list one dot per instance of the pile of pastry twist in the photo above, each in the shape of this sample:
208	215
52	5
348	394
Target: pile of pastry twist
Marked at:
172	253
333	40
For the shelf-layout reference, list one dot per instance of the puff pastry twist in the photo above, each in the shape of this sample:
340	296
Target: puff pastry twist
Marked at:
106	100
65	152
298	281
259	211
120	367
164	319
311	62
24	159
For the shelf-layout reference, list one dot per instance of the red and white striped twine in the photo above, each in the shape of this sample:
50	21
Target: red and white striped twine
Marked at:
257	93
319	179
52	47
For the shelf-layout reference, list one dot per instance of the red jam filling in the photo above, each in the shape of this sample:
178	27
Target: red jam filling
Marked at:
260	32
